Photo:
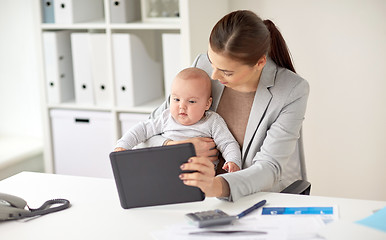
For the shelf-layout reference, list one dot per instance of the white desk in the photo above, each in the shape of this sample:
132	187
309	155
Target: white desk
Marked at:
96	212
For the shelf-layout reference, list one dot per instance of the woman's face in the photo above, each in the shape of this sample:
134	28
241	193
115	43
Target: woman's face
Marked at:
233	74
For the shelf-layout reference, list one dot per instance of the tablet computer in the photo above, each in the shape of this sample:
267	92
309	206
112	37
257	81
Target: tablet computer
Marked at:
150	176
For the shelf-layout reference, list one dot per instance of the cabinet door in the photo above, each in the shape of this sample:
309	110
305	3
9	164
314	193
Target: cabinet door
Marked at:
128	120
82	142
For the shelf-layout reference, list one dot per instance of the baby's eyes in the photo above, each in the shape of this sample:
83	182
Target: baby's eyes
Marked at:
190	101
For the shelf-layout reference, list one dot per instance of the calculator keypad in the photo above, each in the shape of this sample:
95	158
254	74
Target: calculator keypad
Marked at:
210	218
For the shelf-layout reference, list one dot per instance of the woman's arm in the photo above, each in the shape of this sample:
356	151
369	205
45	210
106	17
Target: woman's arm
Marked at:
273	164
269	161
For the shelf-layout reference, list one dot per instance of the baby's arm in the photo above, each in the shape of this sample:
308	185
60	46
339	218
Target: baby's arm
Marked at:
118	149
139	133
225	141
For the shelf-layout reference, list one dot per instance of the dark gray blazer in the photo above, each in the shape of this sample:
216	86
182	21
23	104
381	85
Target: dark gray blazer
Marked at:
272	154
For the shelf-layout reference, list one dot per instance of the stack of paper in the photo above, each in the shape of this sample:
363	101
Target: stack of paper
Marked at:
376	220
256	226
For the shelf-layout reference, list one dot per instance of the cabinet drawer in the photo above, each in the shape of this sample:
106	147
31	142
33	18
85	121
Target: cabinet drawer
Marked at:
82	141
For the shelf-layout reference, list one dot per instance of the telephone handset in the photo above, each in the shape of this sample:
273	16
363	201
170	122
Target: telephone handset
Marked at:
12	207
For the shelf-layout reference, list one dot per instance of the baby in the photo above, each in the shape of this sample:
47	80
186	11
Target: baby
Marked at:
188	116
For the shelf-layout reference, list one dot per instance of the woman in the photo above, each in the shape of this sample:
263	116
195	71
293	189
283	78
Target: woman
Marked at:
263	101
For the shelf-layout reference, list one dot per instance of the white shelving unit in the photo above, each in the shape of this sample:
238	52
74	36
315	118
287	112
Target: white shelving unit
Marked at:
195	21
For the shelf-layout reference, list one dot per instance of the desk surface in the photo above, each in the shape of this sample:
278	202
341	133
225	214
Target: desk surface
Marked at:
96	212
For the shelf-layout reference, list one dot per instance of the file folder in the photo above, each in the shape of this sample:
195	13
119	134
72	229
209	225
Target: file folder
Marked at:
99	65
123	11
75	11
48	11
80	45
171	48
138	77
58	67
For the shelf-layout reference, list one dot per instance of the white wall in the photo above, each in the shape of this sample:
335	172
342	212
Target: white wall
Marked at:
340	48
20	109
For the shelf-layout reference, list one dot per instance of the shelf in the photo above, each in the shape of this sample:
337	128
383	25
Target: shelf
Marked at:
149	31
75	106
147	26
115	26
97	24
145	108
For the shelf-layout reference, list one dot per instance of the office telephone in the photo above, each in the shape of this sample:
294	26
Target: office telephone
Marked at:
12	207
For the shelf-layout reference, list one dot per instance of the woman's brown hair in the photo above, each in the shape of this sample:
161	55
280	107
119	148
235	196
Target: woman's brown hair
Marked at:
243	36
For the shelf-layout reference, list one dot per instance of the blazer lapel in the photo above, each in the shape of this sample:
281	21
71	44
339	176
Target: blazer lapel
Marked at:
260	103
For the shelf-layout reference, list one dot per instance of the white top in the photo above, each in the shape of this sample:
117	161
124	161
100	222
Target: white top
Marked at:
211	125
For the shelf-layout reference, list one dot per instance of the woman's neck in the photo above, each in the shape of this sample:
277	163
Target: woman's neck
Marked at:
250	86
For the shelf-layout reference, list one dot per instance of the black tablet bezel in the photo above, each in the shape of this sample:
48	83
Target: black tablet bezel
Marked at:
150	176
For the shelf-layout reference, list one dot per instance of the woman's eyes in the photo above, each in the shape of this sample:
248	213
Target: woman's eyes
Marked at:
223	71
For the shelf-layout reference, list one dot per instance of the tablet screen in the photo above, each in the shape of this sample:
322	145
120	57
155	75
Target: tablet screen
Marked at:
150	176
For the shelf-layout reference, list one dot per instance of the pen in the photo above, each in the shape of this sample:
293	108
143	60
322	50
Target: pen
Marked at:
249	210
228	232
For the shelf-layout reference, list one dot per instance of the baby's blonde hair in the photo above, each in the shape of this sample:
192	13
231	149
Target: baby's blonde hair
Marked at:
193	73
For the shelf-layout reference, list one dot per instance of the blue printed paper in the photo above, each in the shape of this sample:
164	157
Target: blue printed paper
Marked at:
298	210
376	220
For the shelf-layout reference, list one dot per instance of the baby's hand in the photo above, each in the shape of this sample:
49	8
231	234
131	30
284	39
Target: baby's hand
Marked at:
231	167
118	149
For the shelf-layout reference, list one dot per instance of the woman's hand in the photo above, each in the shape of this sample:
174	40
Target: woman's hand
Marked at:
204	146
204	177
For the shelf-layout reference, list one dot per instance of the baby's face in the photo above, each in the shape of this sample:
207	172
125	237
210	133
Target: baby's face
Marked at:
189	100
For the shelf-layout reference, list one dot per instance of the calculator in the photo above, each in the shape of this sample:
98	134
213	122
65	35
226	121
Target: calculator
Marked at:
210	218
218	217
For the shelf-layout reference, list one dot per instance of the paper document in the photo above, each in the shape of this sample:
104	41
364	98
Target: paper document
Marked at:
376	220
276	222
256	227
248	229
327	214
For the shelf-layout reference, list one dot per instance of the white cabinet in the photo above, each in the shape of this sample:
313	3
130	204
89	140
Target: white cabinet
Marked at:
82	142
128	120
192	20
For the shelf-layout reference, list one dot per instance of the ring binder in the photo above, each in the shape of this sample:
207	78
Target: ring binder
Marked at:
58	70
134	83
